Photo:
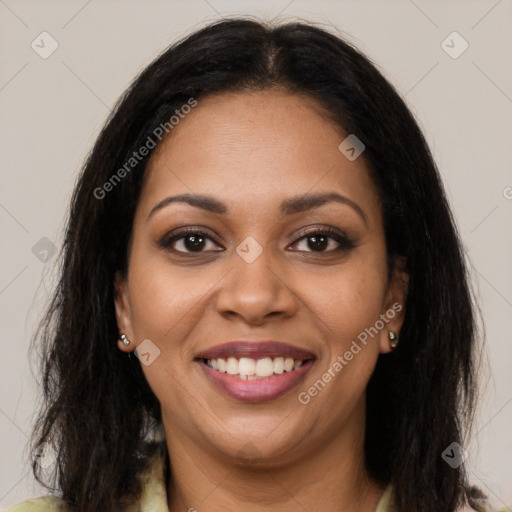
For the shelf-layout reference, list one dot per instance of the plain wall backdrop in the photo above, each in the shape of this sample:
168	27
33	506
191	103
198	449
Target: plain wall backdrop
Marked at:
53	106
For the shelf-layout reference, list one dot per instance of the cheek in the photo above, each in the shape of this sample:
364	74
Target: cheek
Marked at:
165	309
349	310
348	298
164	297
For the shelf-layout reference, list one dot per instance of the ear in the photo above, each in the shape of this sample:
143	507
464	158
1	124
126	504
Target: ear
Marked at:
393	311
123	312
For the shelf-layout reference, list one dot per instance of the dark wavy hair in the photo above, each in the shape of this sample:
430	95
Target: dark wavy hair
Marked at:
99	410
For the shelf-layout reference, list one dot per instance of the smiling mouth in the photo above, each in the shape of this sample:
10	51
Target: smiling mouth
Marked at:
255	380
255	371
247	368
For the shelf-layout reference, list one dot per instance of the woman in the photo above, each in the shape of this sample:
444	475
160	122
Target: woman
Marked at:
263	301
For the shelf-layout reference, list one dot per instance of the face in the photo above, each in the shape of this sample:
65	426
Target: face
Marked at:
211	281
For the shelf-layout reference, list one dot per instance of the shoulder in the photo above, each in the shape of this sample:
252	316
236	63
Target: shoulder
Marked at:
153	497
386	501
43	504
386	504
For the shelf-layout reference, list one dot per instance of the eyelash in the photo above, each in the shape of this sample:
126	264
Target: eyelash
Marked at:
344	242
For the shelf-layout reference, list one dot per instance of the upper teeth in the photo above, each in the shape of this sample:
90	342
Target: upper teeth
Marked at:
248	368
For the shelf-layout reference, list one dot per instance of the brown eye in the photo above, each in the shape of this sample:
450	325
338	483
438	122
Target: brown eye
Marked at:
325	240
188	241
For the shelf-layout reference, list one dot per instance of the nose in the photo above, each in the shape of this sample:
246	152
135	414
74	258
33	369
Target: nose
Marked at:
257	291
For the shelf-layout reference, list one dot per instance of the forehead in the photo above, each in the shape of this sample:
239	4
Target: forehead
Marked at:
255	149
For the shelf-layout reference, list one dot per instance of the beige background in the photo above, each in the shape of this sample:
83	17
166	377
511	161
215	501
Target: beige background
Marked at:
52	109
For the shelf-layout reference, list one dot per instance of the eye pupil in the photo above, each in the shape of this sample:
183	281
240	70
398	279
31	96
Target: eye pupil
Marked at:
197	242
319	242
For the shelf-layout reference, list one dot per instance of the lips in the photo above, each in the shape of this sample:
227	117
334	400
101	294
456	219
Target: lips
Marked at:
255	371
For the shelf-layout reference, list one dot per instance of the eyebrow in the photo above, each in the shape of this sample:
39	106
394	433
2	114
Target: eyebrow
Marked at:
289	206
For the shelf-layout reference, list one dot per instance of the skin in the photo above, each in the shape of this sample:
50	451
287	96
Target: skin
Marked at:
251	151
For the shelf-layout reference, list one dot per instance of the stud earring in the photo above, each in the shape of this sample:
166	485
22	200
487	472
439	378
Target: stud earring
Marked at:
124	340
393	340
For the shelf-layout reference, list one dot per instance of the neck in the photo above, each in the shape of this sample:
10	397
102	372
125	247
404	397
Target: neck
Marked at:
333	474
